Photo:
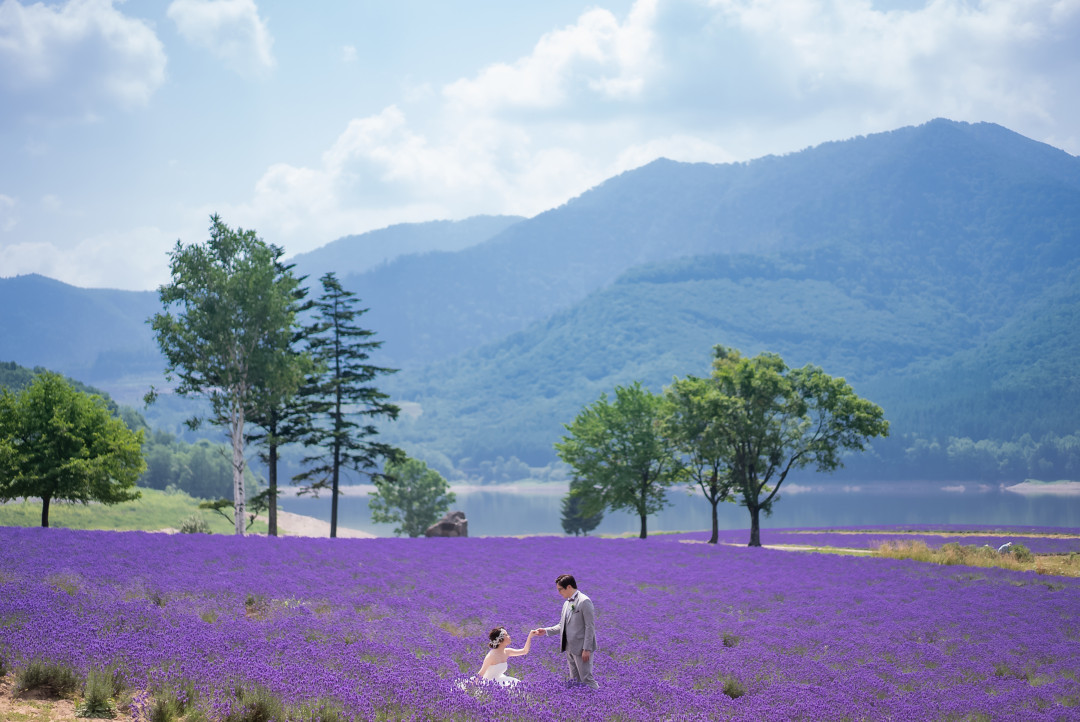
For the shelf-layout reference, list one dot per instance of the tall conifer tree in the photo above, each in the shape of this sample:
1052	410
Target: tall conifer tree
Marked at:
342	399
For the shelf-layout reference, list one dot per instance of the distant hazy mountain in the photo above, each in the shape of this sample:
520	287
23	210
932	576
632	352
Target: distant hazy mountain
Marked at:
942	185
102	336
925	265
932	266
90	334
355	254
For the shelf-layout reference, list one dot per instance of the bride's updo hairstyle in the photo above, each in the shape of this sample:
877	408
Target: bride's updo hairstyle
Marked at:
496	636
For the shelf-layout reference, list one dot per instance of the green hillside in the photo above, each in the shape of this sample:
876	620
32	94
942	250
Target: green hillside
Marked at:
943	193
153	511
1024	378
902	350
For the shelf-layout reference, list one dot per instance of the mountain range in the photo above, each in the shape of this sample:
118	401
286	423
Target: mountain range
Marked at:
934	267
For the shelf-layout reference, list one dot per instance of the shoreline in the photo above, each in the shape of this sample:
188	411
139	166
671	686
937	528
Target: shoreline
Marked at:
290	524
554	488
1061	488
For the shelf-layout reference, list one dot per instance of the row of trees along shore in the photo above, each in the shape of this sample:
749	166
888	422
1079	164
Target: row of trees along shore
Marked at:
736	434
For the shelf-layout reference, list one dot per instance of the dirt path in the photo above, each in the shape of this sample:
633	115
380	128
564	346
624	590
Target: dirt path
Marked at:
299	525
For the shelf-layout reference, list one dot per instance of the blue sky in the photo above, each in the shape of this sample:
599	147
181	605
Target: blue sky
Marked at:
124	125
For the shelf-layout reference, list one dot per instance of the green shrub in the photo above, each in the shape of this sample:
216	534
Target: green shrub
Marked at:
3	667
196	714
256	704
733	688
60	679
318	712
165	709
1021	553
97	696
195	524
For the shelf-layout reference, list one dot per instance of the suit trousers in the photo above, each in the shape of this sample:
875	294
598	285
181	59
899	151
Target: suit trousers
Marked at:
580	670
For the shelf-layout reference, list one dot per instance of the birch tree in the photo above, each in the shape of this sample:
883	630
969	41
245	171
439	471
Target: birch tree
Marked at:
228	324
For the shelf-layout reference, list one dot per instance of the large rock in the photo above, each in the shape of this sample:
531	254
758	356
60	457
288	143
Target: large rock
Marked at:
453	523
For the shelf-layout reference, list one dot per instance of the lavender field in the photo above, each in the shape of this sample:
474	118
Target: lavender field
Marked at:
386	628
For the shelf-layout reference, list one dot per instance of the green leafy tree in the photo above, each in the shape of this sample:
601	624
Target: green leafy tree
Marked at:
776	419
693	426
231	335
63	444
410	495
342	399
617	454
580	513
279	416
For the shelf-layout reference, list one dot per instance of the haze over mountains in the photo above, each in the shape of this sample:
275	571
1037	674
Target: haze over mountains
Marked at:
356	254
935	267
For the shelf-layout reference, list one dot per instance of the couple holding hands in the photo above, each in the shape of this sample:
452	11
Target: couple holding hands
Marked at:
576	628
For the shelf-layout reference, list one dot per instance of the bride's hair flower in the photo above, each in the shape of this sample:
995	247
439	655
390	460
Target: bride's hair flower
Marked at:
497	636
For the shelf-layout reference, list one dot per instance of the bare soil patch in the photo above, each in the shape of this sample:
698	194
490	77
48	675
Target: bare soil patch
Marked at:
299	525
38	706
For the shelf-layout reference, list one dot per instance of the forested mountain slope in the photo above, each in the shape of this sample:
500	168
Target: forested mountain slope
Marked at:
933	352
944	192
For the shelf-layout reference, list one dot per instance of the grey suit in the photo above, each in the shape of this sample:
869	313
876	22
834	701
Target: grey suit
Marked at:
577	630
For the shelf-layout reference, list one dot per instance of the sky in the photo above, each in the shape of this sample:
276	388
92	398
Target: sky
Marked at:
125	125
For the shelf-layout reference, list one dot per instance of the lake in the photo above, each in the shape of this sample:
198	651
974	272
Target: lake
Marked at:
536	508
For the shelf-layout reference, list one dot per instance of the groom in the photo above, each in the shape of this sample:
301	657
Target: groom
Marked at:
577	630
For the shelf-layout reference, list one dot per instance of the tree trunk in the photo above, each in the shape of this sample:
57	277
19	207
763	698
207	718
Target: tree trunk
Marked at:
755	527
337	446
272	474
334	491
45	510
644	530
333	507
715	524
239	493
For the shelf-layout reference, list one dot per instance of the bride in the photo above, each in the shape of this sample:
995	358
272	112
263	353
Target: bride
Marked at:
494	667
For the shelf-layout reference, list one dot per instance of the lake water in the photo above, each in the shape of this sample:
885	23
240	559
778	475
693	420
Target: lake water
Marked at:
536	509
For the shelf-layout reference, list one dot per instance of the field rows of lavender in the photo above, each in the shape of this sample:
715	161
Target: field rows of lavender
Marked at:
386	628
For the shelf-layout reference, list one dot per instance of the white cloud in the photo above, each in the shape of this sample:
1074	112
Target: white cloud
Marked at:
597	55
998	60
133	260
692	80
73	57
348	54
230	29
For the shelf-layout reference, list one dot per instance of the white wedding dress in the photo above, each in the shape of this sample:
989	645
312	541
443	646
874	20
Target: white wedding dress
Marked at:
497	673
